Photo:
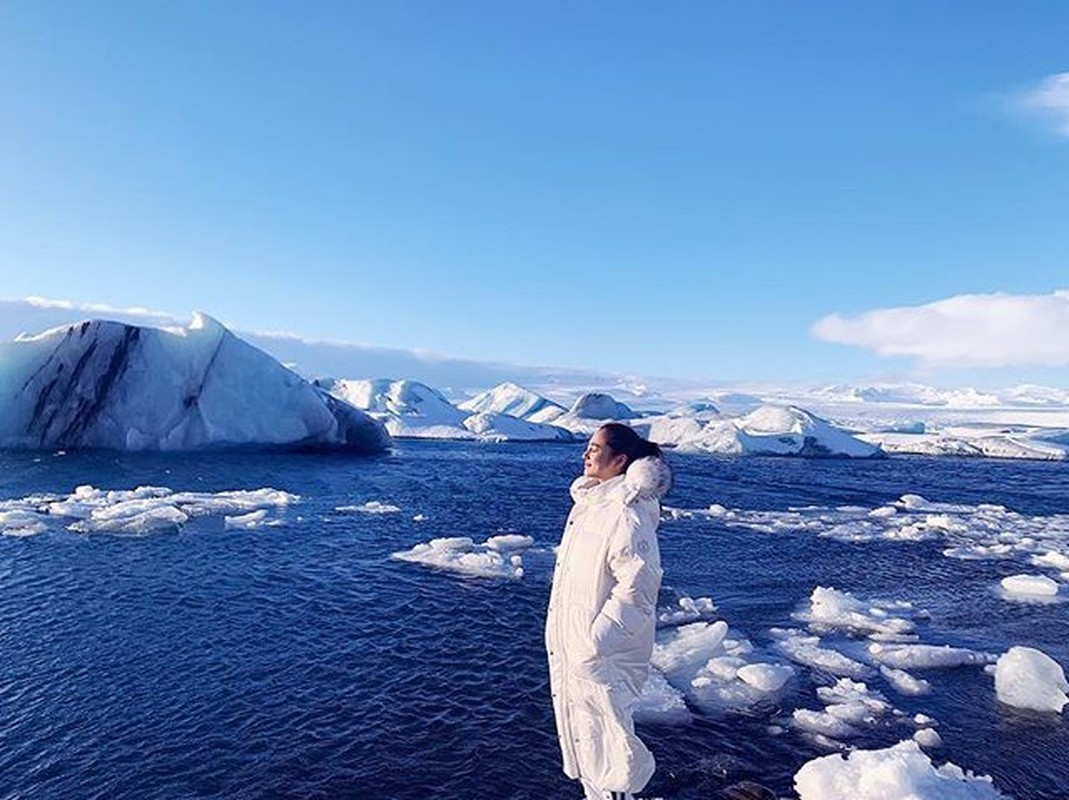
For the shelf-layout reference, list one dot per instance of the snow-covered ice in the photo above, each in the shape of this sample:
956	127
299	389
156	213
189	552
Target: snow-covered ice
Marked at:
982	531
926	656
1029	678
810	652
687	609
848	707
139	511
894	773
715	667
497	557
832	610
1029	588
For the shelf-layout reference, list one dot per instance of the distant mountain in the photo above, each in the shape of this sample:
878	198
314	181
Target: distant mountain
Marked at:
508	398
410	409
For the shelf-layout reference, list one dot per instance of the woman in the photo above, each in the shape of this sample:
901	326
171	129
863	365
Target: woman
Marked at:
602	611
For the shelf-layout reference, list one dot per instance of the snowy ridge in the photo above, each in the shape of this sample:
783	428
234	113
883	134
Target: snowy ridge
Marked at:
410	409
103	384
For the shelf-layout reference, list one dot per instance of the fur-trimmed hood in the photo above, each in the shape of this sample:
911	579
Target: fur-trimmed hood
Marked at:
647	478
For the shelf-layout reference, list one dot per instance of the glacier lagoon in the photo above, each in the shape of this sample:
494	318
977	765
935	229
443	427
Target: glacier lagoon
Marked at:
244	629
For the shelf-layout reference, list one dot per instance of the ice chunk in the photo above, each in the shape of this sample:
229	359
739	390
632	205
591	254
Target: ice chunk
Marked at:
661	702
370	507
1029	678
254	519
689	610
832	610
765	677
928	738
1051	558
493	558
925	656
807	650
904	683
1029	587
901	771
716	672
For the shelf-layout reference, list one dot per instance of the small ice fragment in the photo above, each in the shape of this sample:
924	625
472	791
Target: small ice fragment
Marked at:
928	738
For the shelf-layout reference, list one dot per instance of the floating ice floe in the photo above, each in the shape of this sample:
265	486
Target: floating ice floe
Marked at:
497	557
370	507
926	656
1029	678
138	511
983	531
716	669
848	707
661	702
809	651
901	771
831	610
903	682
251	521
688	609
1029	589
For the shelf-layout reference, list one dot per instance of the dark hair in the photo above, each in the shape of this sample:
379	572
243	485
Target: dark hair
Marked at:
623	440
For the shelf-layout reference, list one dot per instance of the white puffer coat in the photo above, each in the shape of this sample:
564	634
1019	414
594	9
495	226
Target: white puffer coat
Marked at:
601	623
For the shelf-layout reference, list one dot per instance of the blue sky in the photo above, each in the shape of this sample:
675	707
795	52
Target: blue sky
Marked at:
678	189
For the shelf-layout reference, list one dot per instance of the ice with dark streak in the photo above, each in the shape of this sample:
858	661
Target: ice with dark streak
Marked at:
109	385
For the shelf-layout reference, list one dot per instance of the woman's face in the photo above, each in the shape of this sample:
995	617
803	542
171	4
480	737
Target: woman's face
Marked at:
599	461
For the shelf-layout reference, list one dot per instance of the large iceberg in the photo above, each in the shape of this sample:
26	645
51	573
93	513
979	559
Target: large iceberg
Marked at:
105	384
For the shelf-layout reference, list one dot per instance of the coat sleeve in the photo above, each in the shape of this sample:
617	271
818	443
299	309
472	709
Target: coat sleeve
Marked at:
635	563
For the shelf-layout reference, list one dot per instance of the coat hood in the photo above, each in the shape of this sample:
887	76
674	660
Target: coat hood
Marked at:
647	478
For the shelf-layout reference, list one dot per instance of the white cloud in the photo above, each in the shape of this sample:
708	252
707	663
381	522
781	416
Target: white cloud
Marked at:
1048	100
969	330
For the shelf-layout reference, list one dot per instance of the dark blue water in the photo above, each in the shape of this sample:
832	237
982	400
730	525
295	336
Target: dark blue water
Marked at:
301	661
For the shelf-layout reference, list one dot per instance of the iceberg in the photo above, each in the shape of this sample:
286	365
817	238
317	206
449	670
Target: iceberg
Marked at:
109	385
